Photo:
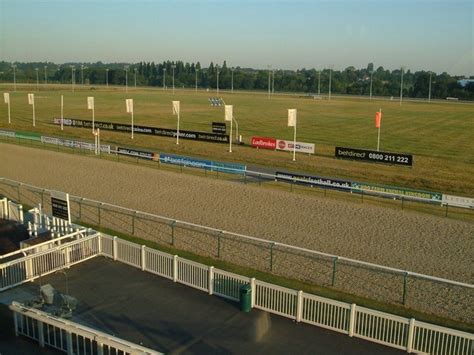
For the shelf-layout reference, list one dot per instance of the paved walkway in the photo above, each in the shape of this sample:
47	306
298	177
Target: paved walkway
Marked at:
173	318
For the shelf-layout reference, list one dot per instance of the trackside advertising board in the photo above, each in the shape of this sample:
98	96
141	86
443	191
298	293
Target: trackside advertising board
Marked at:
301	147
135	153
313	180
400	191
74	144
166	132
374	156
458	201
264	143
202	164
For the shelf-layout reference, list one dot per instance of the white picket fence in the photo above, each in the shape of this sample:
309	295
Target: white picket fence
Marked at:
355	321
350	319
11	210
67	336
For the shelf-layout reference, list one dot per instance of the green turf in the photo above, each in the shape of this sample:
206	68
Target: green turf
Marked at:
439	134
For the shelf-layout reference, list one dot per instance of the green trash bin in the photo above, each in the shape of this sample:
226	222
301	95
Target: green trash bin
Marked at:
245	297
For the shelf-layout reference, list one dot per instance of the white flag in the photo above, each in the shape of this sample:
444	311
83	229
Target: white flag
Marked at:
292	117
228	112
175	107
31	99
129	103
90	102
6	97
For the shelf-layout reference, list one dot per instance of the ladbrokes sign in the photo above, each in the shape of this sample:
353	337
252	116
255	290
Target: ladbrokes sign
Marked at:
264	143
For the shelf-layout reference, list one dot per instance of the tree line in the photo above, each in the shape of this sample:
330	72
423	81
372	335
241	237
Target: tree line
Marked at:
350	81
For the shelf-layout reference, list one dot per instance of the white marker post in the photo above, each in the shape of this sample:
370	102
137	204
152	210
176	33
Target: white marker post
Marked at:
62	113
129	105
292	123
31	101
6	98
378	124
90	106
176	112
229	117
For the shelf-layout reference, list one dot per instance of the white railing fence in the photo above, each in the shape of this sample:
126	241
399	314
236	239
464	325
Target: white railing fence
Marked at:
67	336
355	321
4	208
31	267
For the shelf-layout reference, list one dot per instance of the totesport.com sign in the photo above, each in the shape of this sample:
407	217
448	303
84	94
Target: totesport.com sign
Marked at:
264	143
300	146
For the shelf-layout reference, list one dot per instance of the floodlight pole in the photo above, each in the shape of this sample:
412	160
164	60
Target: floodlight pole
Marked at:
380	125
371	75
429	90
37	79
217	88
319	83
173	67
45	74
330	74
232	79
269	73
126	78
14	77
401	87
107	77
62	113
196	87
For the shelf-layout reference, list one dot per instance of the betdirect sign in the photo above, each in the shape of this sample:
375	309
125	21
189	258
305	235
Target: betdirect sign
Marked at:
301	147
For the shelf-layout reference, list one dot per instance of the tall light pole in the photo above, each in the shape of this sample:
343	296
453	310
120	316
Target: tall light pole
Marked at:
196	87
14	77
107	77
45	74
429	89
164	78
217	87
401	86
330	73
232	79
269	72
72	77
126	78
135	70
319	83
173	67
371	76
37	79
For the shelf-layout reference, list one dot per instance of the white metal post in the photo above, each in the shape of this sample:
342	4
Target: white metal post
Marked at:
34	118
299	306
93	117
352	320
177	130
132	124
211	280
411	335
114	248
230	137
254	290
294	143
62	113
175	268
143	256
9	119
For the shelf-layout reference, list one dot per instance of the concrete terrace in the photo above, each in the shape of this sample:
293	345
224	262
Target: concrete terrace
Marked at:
174	318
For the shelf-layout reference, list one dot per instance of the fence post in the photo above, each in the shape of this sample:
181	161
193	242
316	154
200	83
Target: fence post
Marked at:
405	282
172	231
100	348
70	350
114	248
352	320
175	268
211	280
271	256
334	268
143	258
99	243
299	306
15	322
254	291
411	335
20	209
40	334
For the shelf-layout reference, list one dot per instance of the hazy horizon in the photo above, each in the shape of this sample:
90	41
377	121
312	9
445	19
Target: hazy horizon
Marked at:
420	35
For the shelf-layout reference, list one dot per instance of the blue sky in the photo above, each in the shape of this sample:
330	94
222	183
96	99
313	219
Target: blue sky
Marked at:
418	34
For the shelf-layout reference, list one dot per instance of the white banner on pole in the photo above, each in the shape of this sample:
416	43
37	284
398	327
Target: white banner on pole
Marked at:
292	117
175	107
129	103
90	102
228	112
6	97
31	99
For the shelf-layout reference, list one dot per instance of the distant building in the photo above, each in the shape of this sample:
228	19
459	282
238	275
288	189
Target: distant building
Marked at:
464	82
